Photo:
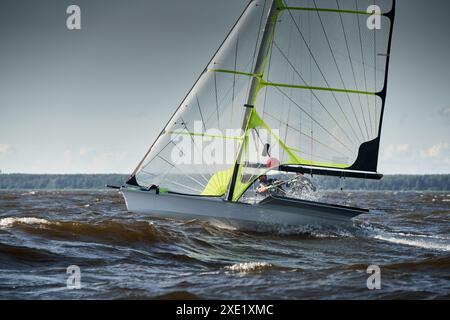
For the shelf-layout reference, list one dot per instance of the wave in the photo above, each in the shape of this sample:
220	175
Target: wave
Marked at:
418	239
14	254
256	267
305	231
248	267
29	193
420	243
222	228
423	236
10	222
103	231
441	263
177	295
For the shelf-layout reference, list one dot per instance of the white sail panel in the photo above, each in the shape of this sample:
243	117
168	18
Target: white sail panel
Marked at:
198	147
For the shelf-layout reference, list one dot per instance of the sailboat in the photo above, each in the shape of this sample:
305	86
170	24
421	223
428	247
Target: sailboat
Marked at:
298	87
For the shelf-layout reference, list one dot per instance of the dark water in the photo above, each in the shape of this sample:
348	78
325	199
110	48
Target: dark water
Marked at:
123	255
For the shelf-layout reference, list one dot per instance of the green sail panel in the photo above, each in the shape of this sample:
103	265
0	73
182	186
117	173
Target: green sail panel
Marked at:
323	88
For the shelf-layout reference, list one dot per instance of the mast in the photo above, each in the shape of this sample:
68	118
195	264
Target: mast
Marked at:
264	48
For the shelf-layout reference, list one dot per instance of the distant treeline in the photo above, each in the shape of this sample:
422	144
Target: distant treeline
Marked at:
388	183
98	181
60	181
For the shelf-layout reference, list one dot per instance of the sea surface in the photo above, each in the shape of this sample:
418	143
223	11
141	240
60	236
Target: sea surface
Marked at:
122	255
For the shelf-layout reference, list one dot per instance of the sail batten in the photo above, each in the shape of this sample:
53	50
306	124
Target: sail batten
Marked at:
331	10
285	85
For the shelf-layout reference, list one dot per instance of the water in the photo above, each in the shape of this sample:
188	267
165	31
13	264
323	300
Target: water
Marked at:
123	255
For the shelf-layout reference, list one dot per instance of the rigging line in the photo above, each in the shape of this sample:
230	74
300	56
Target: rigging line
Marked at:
174	136
153	176
315	61
342	54
142	165
311	161
157	175
163	177
315	121
327	10
212	136
198	149
201	113
262	142
313	93
353	69
286	74
293	77
257	40
195	145
234	80
375	71
162	149
287	126
184	186
268	74
339	71
240	73
273	84
217	101
289	109
259	137
300	118
158	155
231	86
308	136
179	168
310	81
364	66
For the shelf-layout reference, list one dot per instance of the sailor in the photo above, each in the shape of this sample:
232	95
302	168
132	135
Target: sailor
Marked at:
269	186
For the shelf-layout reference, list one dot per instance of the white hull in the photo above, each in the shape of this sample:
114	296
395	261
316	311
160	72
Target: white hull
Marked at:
272	211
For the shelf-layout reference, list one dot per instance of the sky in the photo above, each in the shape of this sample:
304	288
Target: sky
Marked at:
93	100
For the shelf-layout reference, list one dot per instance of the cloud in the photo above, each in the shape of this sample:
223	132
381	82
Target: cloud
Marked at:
84	151
68	158
392	150
4	148
444	113
86	160
416	159
402	148
435	151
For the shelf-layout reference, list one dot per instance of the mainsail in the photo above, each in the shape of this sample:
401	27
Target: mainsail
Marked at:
298	85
